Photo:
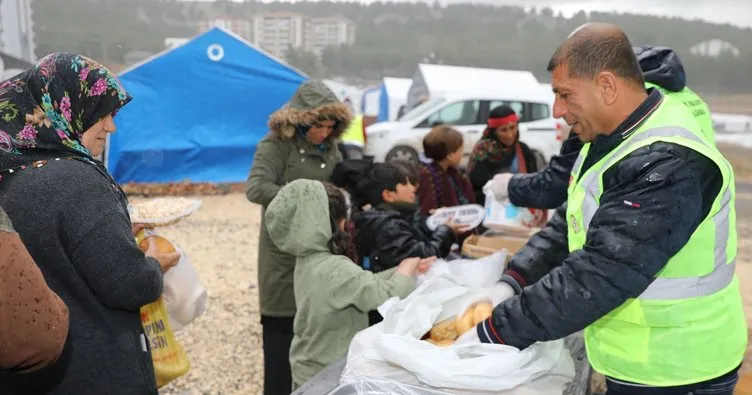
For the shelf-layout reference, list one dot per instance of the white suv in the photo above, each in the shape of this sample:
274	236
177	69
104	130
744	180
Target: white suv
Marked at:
466	112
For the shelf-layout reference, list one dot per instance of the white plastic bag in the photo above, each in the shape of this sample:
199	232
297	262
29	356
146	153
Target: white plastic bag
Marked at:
185	298
392	351
505	217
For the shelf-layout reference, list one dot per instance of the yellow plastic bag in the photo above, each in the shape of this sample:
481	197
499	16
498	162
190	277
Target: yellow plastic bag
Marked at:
169	357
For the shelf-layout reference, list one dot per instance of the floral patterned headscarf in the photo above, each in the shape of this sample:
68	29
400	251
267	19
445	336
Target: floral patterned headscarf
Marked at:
45	110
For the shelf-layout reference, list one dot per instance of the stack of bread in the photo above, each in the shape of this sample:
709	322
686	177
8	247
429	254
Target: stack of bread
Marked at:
446	332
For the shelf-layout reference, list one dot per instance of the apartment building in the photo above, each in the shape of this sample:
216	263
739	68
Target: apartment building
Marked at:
276	32
323	32
240	27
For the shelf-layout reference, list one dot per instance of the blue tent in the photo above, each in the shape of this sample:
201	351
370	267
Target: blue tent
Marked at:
198	111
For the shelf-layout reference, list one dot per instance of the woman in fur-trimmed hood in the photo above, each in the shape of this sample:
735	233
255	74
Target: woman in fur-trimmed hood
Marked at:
301	144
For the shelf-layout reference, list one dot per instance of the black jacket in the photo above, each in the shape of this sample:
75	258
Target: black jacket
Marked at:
626	247
79	233
385	235
548	187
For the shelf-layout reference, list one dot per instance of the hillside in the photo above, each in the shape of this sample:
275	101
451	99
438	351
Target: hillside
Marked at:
391	37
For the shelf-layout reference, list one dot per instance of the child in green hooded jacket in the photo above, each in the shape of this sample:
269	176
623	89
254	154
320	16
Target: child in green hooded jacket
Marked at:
333	294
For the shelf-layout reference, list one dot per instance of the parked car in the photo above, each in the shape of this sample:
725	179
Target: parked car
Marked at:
467	112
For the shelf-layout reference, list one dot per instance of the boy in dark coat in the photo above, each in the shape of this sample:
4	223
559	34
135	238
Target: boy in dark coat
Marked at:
391	230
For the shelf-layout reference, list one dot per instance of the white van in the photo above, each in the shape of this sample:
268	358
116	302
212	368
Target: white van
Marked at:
467	112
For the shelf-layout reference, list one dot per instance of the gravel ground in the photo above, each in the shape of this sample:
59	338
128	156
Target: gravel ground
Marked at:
224	345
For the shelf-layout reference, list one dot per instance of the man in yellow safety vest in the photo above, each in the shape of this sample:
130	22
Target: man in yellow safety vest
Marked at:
664	71
642	254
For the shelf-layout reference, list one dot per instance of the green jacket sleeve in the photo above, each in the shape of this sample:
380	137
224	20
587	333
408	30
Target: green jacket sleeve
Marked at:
366	291
267	172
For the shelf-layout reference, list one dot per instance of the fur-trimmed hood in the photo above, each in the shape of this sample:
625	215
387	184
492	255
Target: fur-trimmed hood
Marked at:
313	101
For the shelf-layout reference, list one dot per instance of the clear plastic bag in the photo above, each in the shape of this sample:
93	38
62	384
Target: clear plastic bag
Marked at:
503	216
184	295
391	355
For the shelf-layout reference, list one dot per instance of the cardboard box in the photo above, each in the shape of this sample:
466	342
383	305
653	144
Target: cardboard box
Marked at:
476	246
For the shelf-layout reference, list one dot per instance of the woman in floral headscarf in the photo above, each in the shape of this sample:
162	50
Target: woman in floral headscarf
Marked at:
73	218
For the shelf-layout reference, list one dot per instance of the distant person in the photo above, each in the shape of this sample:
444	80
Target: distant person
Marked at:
353	140
302	144
499	150
73	219
662	70
442	183
642	256
307	220
401	111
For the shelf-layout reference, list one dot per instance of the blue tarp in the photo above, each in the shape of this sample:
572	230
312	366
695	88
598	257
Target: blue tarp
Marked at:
383	104
198	111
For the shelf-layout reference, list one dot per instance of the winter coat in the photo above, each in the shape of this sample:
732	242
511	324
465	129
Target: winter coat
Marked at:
79	234
33	319
388	234
548	188
282	156
443	188
663	70
333	294
484	170
561	293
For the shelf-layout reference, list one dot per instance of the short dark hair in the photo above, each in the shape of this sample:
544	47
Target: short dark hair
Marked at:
441	141
408	169
595	48
381	177
337	212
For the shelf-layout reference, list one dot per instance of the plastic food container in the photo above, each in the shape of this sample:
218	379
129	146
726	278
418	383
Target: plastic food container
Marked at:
470	215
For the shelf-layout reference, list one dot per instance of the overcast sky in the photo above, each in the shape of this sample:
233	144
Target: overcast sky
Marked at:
736	12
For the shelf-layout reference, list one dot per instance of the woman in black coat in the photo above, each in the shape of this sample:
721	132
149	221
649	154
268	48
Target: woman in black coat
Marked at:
73	218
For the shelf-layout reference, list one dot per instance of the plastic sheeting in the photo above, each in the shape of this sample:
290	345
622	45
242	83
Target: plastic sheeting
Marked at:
390	357
198	111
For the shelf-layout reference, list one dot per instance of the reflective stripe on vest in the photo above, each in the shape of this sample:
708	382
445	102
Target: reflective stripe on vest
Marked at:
661	287
686	327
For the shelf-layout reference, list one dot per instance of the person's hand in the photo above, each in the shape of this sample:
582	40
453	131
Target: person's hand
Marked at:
500	292
433	210
469	337
500	185
135	228
410	266
425	264
166	259
457	229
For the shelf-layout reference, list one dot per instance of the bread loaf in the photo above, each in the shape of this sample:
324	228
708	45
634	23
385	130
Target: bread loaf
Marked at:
483	310
163	245
465	321
444	330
